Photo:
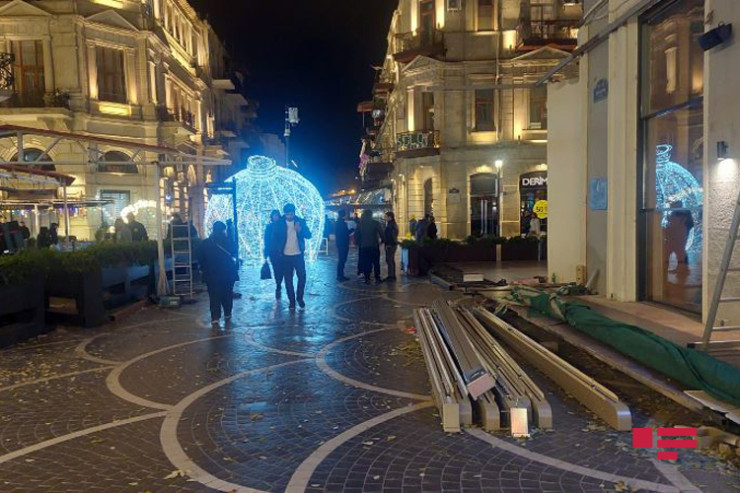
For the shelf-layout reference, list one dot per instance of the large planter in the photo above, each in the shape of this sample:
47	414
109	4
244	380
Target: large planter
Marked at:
418	260
524	250
85	289
22	311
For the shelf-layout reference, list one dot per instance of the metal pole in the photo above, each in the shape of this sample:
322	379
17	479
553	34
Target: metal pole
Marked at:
66	213
162	285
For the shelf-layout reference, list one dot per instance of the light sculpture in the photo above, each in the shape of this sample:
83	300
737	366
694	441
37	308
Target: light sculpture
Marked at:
262	187
675	183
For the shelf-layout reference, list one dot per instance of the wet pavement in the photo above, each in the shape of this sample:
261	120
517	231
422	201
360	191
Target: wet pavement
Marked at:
333	398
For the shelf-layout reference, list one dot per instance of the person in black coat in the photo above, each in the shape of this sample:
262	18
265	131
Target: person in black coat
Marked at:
289	236
219	272
432	229
272	252
341	232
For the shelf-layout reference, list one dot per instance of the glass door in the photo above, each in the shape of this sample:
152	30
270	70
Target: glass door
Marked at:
672	176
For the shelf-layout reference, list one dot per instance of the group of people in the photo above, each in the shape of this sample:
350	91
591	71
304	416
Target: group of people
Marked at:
368	236
131	231
424	229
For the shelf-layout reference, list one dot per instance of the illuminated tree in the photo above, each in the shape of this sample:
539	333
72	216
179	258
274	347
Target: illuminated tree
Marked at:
261	188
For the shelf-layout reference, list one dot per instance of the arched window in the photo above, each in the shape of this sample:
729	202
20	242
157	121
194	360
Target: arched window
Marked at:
117	164
31	155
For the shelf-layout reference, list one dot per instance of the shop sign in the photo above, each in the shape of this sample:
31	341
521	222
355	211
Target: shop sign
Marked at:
601	90
540	208
533	180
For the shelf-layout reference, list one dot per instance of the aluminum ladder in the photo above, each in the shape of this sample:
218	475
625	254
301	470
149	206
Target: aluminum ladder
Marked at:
182	260
718	297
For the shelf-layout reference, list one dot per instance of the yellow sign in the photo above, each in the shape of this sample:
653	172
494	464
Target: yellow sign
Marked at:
540	208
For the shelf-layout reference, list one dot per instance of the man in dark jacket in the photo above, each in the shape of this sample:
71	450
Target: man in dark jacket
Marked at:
341	232
272	251
138	231
289	237
370	234
219	272
390	238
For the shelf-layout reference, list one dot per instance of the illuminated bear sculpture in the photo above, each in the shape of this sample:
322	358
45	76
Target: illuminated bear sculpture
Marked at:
260	188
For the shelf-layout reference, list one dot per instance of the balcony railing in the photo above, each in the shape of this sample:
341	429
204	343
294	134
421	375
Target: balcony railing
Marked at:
538	33
410	45
37	100
417	140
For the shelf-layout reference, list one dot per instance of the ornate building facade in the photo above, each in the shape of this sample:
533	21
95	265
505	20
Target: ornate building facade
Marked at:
151	72
456	127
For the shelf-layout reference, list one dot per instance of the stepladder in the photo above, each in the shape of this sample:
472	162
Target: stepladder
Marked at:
182	259
720	297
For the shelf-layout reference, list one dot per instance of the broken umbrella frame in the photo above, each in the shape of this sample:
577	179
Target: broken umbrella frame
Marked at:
165	156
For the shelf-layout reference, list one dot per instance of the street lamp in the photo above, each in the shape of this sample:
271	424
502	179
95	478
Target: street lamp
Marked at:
499	163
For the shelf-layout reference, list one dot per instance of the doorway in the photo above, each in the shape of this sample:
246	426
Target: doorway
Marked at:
484	210
427	25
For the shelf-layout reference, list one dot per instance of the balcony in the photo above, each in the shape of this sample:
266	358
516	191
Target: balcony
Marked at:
411	45
417	143
37	100
560	34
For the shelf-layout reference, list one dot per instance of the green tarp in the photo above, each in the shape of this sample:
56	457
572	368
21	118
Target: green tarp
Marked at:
692	368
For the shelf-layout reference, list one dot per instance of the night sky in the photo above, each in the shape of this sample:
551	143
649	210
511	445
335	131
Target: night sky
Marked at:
314	54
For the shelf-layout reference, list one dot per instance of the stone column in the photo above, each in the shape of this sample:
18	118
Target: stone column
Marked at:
132	76
92	71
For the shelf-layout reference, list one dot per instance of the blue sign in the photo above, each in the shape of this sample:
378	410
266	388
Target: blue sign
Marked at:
598	194
601	90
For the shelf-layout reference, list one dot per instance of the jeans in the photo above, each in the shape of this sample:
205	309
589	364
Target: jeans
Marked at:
297	264
221	294
277	271
343	251
370	259
390	260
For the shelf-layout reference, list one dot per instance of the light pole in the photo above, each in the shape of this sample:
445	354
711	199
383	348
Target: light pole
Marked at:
499	171
291	120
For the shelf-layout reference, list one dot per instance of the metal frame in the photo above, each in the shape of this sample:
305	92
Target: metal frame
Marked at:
599	399
166	156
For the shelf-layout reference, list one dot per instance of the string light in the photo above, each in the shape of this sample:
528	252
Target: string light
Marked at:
674	184
262	187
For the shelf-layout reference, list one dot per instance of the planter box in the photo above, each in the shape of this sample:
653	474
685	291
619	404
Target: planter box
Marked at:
22	314
94	292
418	260
519	251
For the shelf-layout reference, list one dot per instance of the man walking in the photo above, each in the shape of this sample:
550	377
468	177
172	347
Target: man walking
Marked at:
390	238
291	234
370	235
422	228
219	272
341	233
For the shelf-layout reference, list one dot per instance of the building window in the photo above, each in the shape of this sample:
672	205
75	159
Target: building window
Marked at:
484	110
111	75
428	22
672	113
427	106
33	155
485	15
117	201
118	164
28	70
538	108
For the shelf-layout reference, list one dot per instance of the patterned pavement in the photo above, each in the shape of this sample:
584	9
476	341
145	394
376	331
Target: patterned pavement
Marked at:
333	398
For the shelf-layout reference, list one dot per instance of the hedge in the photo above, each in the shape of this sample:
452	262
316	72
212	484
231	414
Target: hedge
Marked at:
16	268
473	240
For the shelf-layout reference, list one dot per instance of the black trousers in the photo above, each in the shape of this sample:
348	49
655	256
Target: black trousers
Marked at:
343	251
221	294
277	271
294	264
370	260
390	260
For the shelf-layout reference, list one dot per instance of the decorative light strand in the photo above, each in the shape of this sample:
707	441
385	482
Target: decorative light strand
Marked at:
262	187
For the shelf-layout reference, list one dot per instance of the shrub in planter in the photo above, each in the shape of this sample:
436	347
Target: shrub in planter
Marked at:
518	248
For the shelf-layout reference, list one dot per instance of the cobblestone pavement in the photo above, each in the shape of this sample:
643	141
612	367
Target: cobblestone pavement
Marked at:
333	398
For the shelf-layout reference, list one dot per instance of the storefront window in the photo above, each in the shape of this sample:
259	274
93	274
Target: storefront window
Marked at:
672	115
484	204
533	193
